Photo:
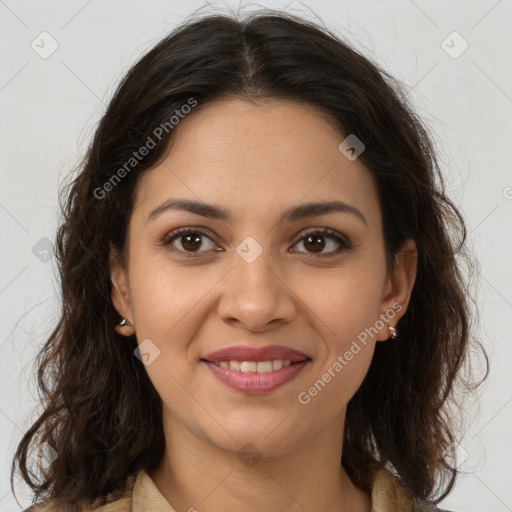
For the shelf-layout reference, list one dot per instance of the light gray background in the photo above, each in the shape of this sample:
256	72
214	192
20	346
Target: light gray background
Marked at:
49	109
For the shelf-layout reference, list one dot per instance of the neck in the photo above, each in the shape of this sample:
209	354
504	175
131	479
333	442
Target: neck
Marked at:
196	474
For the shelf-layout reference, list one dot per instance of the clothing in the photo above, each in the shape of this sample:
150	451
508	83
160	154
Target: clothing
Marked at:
142	495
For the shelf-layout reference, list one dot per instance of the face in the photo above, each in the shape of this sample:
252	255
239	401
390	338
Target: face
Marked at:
312	281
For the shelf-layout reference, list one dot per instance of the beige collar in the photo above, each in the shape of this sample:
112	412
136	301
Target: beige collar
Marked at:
387	495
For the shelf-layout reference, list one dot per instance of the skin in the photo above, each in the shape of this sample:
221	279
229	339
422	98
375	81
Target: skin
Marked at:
257	160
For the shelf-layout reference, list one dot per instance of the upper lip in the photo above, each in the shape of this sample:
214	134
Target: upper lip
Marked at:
246	353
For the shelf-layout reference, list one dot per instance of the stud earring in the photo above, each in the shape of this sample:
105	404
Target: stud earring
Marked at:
393	331
125	328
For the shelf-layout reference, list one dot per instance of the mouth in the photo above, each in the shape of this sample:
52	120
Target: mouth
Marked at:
256	371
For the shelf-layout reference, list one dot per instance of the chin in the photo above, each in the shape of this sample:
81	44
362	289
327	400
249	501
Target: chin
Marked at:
256	441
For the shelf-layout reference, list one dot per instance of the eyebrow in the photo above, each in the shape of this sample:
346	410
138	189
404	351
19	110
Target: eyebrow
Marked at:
296	213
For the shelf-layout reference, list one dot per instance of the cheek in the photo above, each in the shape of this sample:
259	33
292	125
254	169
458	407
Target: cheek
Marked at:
348	343
167	311
170	305
345	301
165	298
336	382
344	308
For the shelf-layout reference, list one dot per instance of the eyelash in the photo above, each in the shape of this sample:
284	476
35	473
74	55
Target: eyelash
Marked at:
344	242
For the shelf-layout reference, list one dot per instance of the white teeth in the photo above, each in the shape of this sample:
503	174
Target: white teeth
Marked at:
234	365
277	364
248	366
264	366
253	366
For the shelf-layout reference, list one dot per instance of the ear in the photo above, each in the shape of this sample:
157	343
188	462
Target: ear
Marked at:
398	288
121	292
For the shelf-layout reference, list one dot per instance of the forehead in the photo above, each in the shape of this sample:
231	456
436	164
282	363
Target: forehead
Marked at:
255	158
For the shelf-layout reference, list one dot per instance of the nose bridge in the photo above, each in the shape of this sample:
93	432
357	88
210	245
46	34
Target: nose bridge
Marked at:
254	272
255	293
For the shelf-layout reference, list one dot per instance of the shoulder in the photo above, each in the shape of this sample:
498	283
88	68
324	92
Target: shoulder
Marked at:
120	505
120	501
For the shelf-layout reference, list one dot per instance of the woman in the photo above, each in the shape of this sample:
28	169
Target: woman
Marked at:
262	305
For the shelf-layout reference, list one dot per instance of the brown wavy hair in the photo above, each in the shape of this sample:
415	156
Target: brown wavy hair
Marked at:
101	412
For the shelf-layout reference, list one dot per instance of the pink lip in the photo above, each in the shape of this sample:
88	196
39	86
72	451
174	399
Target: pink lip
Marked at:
268	353
253	383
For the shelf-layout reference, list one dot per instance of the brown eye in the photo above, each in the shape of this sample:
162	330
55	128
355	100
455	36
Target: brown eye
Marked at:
191	241
315	242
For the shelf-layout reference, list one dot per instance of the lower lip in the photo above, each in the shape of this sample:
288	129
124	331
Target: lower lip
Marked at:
253	383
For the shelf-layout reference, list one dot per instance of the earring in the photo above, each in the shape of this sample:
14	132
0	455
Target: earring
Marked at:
393	331
125	328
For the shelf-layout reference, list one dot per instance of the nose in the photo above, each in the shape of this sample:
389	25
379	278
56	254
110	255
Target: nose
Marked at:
256	296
